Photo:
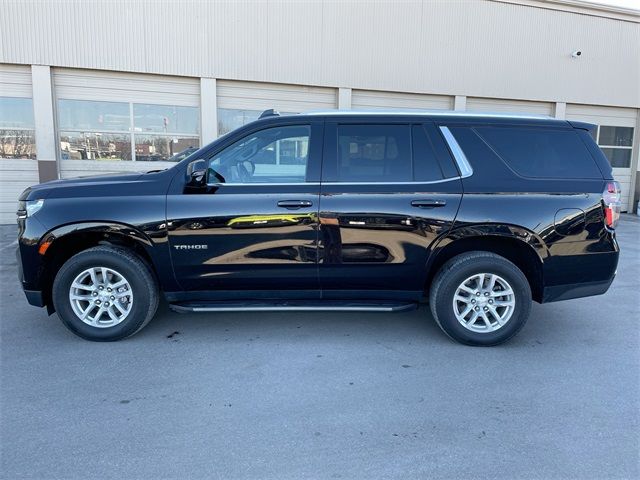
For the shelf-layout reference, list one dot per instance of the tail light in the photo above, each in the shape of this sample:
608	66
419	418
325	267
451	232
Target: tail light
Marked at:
612	206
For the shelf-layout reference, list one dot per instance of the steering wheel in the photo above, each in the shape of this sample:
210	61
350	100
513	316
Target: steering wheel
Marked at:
245	170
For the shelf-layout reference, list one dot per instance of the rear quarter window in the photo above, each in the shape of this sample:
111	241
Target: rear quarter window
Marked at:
541	152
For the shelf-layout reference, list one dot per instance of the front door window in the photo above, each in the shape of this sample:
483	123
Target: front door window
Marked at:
273	155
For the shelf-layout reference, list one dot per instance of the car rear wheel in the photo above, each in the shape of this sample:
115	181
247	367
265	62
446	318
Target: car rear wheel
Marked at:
480	298
105	294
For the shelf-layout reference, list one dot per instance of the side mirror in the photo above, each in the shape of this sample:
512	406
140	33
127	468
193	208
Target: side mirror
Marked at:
197	173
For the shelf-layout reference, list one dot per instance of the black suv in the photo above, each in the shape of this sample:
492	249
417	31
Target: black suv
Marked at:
475	214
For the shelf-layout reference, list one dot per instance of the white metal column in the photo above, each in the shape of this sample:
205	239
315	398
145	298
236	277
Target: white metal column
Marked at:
344	99
460	103
208	111
44	122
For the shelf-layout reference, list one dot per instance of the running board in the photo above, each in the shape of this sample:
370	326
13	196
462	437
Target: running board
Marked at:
293	306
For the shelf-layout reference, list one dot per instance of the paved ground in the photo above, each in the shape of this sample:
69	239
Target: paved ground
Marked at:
325	396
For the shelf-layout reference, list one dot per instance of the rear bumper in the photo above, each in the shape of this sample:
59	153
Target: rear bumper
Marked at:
575	290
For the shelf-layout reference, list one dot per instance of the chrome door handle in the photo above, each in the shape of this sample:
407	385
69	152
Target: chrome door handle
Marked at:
294	204
428	203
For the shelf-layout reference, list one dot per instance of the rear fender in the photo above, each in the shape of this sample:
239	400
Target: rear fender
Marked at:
520	245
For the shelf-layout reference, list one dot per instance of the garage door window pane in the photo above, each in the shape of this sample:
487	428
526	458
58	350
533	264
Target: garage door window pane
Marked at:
95	146
616	136
89	115
17	129
165	119
164	148
619	157
16	113
374	153
17	143
229	120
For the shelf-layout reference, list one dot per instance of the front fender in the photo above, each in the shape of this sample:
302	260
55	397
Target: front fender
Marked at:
154	243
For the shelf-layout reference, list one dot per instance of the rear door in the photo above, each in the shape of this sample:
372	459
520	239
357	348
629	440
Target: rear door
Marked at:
389	190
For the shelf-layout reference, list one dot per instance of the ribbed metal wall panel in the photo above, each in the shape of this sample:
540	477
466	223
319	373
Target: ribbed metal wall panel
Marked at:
376	100
622	117
285	98
15	81
476	48
510	106
127	87
15	176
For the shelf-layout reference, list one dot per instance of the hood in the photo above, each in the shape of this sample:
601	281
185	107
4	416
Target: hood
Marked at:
99	185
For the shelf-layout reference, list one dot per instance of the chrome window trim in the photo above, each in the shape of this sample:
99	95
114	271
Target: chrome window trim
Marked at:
394	183
458	154
218	184
260	184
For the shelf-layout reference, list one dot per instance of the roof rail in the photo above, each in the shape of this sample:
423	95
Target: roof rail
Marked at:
269	113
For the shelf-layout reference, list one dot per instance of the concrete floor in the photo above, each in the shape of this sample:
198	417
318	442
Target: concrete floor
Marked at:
325	395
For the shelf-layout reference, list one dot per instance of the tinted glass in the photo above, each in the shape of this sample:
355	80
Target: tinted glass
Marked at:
273	155
374	153
541	152
90	115
16	113
618	157
425	164
165	119
616	136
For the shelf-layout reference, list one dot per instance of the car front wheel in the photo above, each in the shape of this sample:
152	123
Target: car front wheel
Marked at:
480	298
105	294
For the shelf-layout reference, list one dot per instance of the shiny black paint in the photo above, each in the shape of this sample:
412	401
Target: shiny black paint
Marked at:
353	241
253	240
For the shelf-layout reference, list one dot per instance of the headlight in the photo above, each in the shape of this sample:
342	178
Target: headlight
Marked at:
29	208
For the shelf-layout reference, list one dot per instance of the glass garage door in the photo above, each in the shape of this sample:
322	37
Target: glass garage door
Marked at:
111	122
616	136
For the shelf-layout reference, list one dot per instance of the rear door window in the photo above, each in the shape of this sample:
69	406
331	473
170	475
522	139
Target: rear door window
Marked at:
374	153
541	152
382	153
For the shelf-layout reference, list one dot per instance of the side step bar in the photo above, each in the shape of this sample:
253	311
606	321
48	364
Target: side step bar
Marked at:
293	306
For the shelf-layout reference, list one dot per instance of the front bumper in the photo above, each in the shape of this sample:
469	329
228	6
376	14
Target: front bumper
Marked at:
35	298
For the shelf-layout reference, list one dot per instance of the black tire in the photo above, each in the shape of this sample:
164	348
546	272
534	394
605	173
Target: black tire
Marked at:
454	272
132	267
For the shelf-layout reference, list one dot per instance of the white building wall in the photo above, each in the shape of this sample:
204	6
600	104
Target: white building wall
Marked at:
377	100
482	55
282	97
480	48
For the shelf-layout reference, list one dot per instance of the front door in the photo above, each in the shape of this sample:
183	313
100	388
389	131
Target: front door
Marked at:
255	226
388	191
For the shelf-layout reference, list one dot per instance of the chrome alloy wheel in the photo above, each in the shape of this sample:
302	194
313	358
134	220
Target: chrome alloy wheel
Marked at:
101	297
484	303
